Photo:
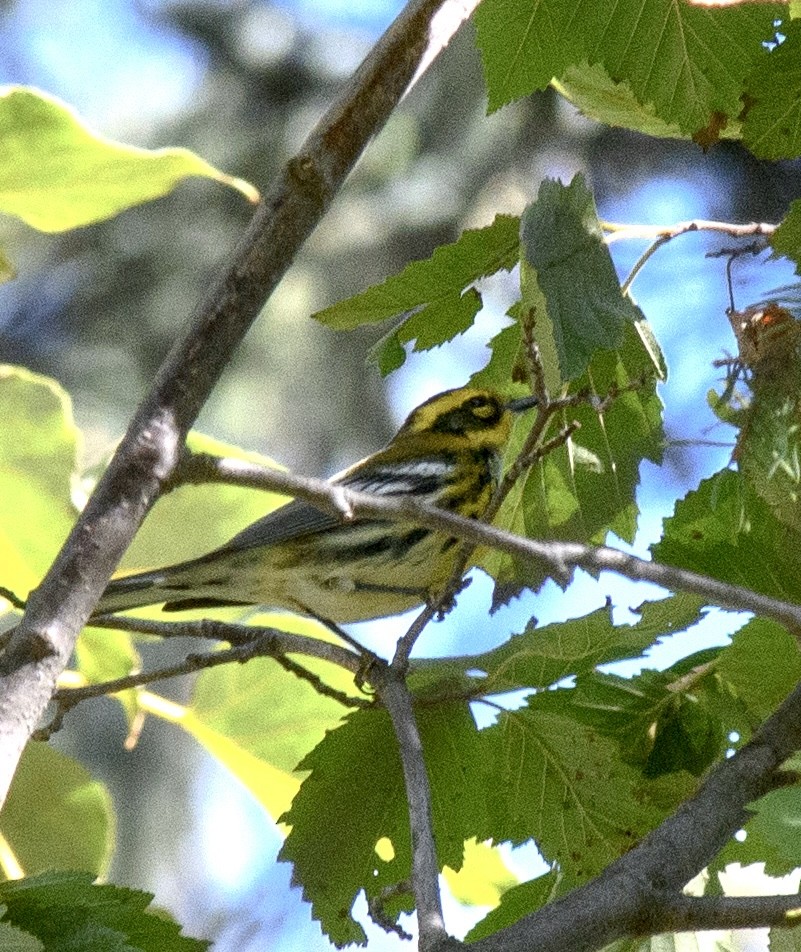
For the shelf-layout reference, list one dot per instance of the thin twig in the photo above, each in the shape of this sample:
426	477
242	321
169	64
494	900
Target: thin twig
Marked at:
621	232
376	909
560	558
238	635
662	234
395	696
640	263
264	644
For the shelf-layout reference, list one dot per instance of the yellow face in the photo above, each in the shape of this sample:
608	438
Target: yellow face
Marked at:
479	416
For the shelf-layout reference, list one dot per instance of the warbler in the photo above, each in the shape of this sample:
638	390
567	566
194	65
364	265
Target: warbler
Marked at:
447	454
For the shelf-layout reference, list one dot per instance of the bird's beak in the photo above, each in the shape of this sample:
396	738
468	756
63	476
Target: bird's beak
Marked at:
521	404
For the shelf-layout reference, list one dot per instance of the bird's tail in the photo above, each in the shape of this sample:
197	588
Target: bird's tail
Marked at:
198	583
134	591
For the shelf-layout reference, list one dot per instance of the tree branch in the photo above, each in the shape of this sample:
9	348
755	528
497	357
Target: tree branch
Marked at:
264	643
640	894
391	688
238	635
41	646
694	913
560	557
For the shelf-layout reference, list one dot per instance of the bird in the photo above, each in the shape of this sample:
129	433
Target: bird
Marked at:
298	558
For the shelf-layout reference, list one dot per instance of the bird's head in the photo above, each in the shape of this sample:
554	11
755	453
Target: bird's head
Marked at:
473	418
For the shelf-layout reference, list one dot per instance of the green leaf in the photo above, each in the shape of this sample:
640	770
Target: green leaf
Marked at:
506	354
350	800
66	912
689	62
762	665
55	174
230	700
104	654
517	902
786	240
38	447
350	827
777	824
772	126
74	823
563	497
586	310
662	726
540	657
565	785
438	291
724	529
596	95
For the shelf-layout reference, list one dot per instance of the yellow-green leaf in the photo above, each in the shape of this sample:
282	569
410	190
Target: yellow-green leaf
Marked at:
56	174
38	445
56	815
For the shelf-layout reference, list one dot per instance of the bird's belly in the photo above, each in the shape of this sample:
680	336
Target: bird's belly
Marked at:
349	574
390	579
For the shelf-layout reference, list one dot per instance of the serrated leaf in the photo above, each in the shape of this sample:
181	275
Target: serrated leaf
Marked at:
517	902
585	309
564	785
596	95
505	355
762	665
776	823
75	823
539	657
562	499
724	529
663	722
65	911
688	61
786	240
772	126
354	798
438	292
55	174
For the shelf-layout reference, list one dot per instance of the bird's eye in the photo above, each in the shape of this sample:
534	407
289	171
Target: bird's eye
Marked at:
481	407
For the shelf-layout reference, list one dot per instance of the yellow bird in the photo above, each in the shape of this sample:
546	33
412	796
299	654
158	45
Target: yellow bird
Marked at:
446	454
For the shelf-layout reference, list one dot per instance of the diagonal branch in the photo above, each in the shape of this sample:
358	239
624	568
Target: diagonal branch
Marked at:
640	894
692	913
559	557
262	643
41	646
